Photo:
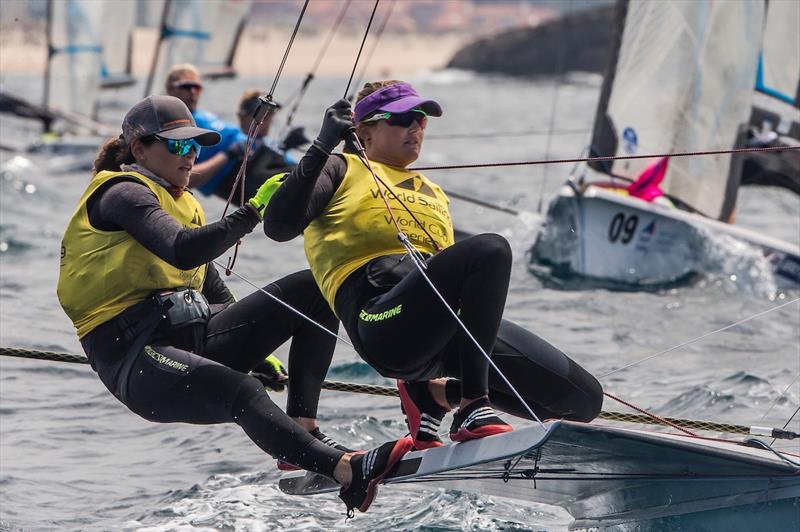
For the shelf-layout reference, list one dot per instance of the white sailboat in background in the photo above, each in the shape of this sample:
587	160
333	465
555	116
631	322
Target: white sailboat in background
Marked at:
116	69
75	59
775	120
681	79
202	32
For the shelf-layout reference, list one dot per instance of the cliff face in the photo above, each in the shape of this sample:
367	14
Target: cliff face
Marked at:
578	42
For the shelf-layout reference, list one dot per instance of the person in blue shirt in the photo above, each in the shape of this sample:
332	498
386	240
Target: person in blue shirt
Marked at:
184	82
267	157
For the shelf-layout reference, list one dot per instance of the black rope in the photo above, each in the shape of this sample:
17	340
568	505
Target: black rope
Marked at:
266	106
297	97
288	49
387	391
361	48
502	134
607	158
378	35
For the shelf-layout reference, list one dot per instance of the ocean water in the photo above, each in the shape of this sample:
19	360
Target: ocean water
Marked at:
73	458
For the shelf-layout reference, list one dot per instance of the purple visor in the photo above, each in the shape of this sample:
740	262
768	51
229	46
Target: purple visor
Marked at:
397	98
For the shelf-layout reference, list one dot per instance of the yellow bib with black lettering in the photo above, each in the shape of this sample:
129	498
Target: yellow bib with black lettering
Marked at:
356	226
105	272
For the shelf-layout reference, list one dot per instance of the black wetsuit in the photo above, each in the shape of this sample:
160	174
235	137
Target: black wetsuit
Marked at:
423	341
207	381
262	164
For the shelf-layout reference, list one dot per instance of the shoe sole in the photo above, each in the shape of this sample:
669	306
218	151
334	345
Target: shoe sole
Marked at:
481	432
413	418
286	466
401	447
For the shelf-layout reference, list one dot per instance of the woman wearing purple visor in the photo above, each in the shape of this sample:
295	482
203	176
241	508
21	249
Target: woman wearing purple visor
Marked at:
396	321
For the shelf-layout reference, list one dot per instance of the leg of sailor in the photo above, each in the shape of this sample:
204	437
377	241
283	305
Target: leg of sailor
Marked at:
406	331
244	333
552	384
165	384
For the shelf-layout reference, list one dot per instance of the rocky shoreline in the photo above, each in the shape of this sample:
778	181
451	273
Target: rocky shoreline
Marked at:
575	42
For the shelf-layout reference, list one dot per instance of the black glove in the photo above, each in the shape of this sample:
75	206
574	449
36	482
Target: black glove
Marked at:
271	373
295	138
337	122
235	151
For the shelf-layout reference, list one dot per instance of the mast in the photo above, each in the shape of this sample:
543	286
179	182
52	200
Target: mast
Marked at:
49	32
161	34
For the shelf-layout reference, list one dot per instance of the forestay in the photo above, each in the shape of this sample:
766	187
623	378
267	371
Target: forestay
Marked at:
681	79
75	53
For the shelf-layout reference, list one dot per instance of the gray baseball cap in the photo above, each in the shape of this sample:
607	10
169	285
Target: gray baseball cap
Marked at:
166	116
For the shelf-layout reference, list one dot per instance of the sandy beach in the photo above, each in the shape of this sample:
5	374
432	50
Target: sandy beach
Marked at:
261	49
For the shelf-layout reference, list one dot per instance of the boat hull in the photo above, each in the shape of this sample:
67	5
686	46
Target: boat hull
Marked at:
608	477
602	235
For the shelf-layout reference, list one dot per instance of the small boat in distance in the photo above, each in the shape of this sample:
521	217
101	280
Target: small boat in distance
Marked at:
681	80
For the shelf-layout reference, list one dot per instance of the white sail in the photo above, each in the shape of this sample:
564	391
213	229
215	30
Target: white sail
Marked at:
75	53
683	81
779	67
228	25
116	67
201	32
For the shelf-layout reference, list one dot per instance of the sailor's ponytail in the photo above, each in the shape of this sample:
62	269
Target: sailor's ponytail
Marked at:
113	153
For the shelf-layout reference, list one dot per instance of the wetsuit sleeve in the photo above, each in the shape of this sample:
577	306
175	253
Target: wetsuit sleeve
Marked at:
133	207
214	289
304	195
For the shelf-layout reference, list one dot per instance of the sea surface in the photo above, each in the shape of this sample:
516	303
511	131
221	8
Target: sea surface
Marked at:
73	458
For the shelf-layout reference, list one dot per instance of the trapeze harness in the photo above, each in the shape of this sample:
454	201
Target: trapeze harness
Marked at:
396	323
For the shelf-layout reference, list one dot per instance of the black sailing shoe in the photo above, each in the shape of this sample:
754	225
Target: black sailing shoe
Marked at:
477	420
369	470
327	440
423	413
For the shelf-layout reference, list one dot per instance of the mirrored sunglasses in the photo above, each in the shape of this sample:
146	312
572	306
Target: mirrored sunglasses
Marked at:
401	119
188	85
181	147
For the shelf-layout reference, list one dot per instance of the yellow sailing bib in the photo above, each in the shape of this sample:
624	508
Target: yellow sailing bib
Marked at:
105	272
356	227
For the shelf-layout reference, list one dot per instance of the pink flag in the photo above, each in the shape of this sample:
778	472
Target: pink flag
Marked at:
646	185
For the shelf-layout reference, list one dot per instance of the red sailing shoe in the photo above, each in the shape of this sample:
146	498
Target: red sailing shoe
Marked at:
477	420
369	470
423	413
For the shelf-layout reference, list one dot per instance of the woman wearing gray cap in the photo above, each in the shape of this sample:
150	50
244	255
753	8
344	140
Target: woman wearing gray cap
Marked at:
352	221
138	283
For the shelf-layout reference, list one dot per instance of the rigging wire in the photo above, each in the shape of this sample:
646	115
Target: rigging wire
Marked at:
501	134
288	306
771	406
605	158
361	48
419	262
266	106
297	97
554	103
687	342
365	64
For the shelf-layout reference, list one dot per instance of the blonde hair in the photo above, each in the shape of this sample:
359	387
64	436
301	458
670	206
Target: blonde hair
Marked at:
177	71
369	88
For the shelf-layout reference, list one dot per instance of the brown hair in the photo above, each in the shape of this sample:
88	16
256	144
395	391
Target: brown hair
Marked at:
116	152
247	97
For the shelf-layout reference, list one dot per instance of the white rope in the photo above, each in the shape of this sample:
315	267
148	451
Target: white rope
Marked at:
682	344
